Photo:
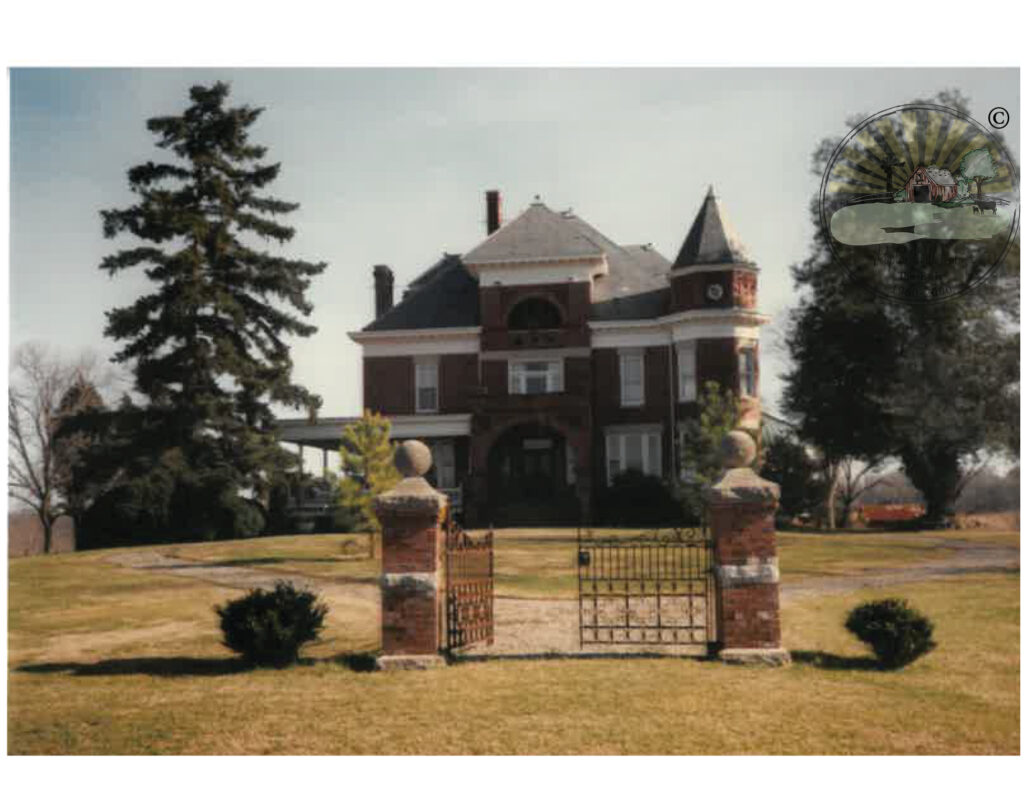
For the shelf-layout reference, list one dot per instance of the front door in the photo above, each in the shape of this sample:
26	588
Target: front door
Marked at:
922	194
537	477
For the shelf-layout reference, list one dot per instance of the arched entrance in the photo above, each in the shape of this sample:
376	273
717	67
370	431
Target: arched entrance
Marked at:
531	477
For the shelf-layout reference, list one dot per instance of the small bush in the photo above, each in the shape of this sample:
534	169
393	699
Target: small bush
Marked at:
896	632
636	499
269	627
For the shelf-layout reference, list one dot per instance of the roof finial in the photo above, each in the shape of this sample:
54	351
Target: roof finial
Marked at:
536	199
711	192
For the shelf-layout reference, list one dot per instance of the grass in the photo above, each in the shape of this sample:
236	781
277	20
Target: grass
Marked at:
104	659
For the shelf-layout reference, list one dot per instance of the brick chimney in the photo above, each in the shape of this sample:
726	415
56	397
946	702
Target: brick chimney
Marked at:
493	211
383	288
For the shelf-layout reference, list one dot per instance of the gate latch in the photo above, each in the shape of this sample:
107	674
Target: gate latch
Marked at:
584	558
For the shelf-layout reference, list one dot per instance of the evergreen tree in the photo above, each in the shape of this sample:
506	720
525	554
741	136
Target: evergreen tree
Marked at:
788	463
208	344
700	442
368	467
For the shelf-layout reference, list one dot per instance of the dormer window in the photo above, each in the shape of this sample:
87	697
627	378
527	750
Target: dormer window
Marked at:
534	314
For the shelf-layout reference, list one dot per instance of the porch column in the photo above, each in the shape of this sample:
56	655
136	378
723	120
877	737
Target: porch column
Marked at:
741	508
410	515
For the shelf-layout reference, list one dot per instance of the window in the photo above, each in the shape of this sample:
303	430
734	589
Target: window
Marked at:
686	353
748	371
637	448
444	464
631	377
426	385
533	314
534	377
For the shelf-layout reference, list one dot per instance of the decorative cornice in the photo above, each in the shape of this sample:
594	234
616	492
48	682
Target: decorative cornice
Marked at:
415	334
736	316
712	268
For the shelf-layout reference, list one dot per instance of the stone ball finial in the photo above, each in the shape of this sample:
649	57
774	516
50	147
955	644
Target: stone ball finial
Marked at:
413	458
738	450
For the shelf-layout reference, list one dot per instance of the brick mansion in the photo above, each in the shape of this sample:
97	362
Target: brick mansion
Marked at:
548	359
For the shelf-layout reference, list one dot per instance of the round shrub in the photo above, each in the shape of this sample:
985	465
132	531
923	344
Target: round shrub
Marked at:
269	627
897	633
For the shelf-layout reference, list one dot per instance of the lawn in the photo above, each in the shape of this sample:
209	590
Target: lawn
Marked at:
105	659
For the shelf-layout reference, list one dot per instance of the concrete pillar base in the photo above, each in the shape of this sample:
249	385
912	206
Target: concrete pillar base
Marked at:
392	662
769	657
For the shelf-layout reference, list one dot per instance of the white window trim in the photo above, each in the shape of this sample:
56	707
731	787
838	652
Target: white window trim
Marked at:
615	449
444	461
743	349
625	356
690	348
425	363
555	374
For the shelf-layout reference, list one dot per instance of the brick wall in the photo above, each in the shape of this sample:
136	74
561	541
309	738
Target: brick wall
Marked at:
459	381
744	532
717	361
388	385
750	617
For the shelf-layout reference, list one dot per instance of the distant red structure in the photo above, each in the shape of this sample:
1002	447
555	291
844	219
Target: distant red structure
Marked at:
888	513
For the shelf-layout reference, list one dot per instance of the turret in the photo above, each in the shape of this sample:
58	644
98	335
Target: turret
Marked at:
712	269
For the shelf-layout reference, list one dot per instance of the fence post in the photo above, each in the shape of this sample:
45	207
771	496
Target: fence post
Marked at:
741	512
410	515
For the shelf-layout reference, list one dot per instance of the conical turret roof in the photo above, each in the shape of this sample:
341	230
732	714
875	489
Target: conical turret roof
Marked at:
711	240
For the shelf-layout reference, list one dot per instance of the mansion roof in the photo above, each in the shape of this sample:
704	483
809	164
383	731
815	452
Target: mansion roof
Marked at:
632	283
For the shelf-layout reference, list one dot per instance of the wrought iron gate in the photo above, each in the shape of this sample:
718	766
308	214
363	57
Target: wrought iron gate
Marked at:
469	587
656	589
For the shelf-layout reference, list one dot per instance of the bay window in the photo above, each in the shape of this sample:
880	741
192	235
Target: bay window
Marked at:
686	354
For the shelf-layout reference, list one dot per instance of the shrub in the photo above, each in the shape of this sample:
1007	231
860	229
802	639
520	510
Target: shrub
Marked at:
637	499
896	632
269	627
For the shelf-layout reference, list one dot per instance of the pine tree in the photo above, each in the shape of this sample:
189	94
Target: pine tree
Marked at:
368	465
700	441
207	344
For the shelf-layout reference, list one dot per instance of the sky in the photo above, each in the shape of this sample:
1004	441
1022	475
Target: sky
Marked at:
390	167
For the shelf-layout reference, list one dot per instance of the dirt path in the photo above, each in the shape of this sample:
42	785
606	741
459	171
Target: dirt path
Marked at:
538	627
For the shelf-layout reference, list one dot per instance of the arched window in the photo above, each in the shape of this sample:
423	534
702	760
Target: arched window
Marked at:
534	313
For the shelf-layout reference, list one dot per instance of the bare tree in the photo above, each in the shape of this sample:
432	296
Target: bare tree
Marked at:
854	481
44	389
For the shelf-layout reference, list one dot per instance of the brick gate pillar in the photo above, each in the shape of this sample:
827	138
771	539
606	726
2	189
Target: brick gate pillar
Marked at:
741	513
410	515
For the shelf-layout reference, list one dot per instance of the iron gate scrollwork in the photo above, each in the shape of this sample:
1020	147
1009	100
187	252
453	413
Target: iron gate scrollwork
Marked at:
469	587
647	589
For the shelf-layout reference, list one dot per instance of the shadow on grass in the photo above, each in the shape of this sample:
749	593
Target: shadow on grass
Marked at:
826	661
143	666
362	662
235	562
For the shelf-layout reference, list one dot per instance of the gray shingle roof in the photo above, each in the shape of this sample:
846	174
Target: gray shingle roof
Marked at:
711	239
445	296
538	233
